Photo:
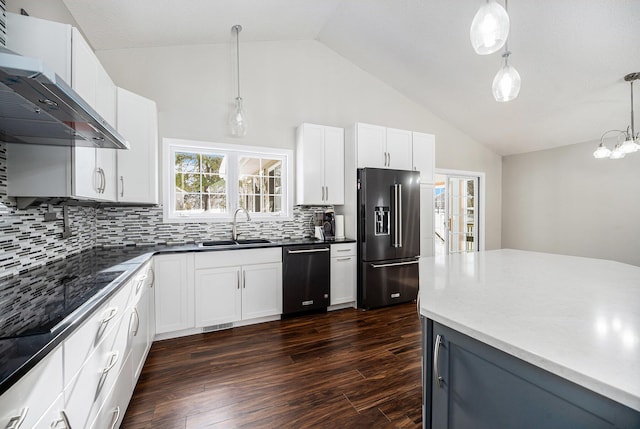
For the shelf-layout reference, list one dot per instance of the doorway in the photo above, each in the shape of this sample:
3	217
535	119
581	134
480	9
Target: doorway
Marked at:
457	212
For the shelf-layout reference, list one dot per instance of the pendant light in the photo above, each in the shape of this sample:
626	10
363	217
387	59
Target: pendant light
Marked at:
628	141
506	83
489	28
238	117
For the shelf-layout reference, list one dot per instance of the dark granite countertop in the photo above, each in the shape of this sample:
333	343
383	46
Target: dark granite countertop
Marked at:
42	306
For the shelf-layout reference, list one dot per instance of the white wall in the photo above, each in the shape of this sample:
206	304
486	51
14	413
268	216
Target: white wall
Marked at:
565	201
284	84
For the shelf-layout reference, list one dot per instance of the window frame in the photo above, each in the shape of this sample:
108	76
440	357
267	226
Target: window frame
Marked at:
233	152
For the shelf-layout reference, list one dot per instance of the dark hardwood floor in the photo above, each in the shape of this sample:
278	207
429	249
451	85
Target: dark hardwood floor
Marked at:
343	369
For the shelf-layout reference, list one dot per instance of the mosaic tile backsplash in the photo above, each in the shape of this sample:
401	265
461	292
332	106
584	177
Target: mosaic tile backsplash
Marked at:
27	241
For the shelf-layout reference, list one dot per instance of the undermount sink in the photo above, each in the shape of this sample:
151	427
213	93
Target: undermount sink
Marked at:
253	241
235	242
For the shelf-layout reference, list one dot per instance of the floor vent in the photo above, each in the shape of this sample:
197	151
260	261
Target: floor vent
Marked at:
217	327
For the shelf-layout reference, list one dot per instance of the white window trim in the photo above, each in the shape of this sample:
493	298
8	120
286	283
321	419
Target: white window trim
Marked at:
172	145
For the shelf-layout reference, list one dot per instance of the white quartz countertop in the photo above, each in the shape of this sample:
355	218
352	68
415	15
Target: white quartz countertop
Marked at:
578	318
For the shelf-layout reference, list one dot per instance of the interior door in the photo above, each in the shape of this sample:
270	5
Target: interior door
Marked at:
455	214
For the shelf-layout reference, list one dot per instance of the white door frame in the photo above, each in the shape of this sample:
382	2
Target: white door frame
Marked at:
481	197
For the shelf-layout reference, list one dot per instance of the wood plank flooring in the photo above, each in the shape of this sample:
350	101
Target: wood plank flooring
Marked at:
343	369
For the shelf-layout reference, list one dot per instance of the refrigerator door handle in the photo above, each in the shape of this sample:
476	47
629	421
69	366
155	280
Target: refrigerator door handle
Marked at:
395	216
394	264
400	219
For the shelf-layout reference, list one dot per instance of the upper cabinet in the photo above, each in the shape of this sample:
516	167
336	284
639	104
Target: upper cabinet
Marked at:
424	156
137	167
320	165
381	147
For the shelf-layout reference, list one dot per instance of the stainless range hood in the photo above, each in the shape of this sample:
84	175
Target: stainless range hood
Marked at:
38	107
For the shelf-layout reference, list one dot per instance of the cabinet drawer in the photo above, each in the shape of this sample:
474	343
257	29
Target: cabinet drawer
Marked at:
343	249
237	257
36	392
112	412
87	391
79	346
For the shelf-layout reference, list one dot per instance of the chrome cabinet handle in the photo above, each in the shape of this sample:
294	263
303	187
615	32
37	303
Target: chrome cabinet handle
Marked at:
244	280
323	198
153	277
63	419
135	312
16	421
324	249
122	186
394	264
238	278
343	259
343	250
113	359
436	355
108	315
327	188
116	417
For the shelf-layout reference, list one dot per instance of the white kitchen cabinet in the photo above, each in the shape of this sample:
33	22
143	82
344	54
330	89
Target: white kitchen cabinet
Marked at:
82	172
320	164
113	410
218	296
34	394
139	316
427	227
380	147
228	289
424	156
137	168
343	273
174	292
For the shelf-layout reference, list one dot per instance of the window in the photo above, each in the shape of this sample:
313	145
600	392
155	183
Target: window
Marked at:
209	181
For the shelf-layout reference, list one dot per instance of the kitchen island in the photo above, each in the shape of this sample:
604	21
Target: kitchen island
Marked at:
525	339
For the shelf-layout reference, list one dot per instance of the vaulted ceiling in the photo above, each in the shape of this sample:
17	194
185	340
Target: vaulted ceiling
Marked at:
572	55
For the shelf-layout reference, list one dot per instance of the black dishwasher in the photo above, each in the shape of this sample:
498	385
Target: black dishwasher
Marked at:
305	278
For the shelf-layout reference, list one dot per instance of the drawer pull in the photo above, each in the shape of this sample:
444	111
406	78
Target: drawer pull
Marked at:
116	417
343	259
343	250
113	359
322	249
135	313
63	419
436	355
153	277
16	421
109	314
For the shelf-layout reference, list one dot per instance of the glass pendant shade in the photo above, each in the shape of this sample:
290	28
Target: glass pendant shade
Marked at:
602	152
617	153
629	146
506	84
489	28
238	120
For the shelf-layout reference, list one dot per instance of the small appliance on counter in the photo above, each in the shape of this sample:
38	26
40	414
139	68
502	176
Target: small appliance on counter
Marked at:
325	225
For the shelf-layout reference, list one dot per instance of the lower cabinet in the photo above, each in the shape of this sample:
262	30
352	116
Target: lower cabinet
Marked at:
174	299
36	397
142	330
112	412
469	384
343	273
227	290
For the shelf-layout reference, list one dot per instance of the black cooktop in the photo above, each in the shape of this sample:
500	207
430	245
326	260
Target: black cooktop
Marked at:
36	301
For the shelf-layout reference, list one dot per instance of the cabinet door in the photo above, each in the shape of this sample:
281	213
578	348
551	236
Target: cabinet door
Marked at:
426	220
139	331
83	68
261	290
371	144
34	393
86	176
173	292
137	121
399	149
424	156
218	296
310	169
334	165
343	279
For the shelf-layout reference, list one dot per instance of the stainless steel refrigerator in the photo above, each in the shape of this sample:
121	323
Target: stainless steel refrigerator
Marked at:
388	236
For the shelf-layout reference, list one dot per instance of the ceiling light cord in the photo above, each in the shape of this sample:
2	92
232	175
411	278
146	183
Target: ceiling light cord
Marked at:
237	29
238	118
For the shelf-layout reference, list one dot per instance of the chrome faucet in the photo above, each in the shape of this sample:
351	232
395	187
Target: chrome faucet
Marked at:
234	232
